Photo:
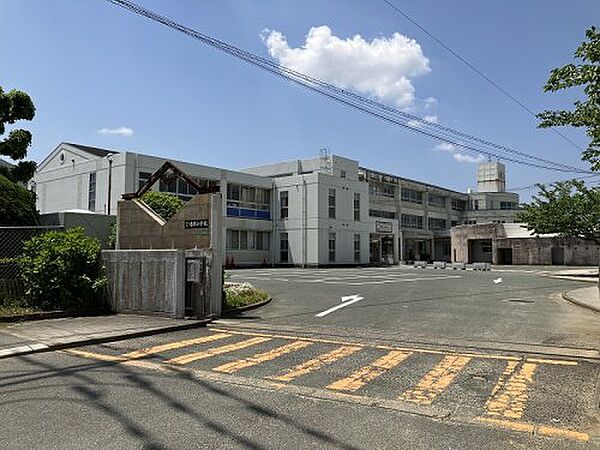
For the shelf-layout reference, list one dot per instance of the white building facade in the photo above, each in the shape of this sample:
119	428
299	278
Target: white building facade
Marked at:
314	212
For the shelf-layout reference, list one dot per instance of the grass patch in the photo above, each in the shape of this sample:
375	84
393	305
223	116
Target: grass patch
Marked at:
6	311
243	294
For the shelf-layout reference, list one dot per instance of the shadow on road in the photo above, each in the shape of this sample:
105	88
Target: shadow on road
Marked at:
86	387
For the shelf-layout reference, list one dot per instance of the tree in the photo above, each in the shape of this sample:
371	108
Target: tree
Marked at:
14	106
17	204
162	203
570	208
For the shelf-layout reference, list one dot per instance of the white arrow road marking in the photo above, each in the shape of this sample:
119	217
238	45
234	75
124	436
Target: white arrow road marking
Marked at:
346	300
497	280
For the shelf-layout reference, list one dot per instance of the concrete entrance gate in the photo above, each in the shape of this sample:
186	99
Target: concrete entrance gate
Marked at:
174	267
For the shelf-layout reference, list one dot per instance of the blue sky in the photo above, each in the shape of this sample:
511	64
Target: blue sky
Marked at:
89	66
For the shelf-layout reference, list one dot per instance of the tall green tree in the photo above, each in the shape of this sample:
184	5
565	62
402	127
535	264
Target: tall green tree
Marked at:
14	106
585	114
571	208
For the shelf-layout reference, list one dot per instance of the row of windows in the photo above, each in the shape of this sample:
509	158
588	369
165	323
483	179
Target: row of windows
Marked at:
382	189
410	195
284	204
436	200
284	248
248	240
382	214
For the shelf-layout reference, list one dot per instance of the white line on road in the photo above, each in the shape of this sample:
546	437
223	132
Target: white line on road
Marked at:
347	300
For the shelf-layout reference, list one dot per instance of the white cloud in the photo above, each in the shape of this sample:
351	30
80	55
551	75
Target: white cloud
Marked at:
463	157
460	157
417	124
430	102
382	67
120	131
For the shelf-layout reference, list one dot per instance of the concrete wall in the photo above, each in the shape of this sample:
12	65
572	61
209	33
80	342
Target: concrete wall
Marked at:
95	225
534	251
138	227
467	239
146	281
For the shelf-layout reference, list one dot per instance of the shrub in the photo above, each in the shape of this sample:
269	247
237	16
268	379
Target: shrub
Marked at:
62	270
17	204
242	294
162	203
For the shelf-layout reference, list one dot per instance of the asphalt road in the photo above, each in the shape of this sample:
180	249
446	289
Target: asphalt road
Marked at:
425	360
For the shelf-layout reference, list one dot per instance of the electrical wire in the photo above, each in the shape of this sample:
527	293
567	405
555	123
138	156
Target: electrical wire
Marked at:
476	70
356	101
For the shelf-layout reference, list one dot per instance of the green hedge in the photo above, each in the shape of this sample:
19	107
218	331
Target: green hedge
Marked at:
62	270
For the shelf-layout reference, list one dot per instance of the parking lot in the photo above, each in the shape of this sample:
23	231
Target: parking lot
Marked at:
506	307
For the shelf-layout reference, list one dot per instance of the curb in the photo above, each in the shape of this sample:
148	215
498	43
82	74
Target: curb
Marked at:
42	315
235	311
573	300
37	347
582	278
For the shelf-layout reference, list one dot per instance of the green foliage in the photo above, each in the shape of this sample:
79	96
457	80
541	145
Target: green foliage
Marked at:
17	204
242	294
62	270
111	240
586	113
568	208
162	203
16	105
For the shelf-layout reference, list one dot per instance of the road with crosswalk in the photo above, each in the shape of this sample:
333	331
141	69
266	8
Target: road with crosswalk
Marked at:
415	363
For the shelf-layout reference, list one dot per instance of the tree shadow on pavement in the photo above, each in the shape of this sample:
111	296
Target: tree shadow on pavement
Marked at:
86	387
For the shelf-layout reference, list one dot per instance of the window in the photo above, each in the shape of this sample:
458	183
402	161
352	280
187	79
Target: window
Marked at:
143	178
436	200
357	248
284	204
283	247
92	192
331	247
248	202
411	221
262	240
248	240
475	205
382	214
470	222
486	248
382	189
356	206
331	203
437	224
509	205
181	188
459	205
410	195
342	174
453	223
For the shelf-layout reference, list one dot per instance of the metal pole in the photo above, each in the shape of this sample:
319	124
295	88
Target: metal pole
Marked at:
109	183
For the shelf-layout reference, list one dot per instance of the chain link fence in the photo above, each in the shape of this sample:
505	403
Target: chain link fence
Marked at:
12	240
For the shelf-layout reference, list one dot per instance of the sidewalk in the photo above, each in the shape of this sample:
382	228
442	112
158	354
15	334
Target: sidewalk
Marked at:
588	275
588	297
53	334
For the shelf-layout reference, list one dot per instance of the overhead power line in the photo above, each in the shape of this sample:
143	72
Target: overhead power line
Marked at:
358	102
479	72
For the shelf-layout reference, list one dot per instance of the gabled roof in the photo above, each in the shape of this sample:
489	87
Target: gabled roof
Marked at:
5	163
96	151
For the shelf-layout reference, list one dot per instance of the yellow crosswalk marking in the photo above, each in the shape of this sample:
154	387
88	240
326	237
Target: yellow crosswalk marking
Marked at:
185	359
262	357
174	346
436	380
368	373
509	397
316	363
